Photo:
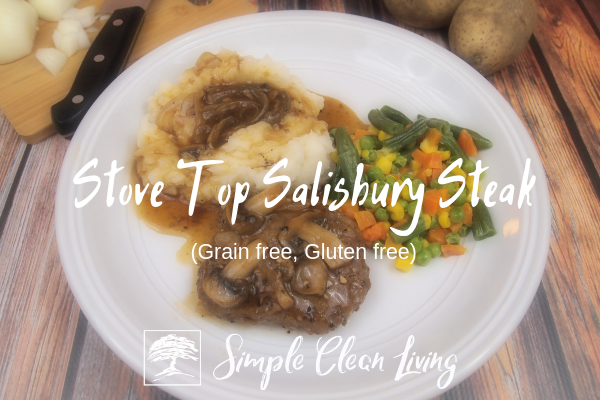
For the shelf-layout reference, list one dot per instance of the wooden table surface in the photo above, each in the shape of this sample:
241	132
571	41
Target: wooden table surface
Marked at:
48	350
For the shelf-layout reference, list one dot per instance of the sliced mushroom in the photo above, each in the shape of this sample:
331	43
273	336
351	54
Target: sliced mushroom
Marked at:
281	106
223	291
246	223
304	227
283	298
285	266
310	277
220	132
242	268
256	203
290	239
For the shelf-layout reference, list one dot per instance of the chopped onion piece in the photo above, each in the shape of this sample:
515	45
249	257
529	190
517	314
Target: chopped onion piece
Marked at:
54	60
83	40
69	25
86	15
68	43
69	37
18	27
91	29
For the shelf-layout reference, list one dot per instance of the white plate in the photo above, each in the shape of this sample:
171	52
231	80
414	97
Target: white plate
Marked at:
126	279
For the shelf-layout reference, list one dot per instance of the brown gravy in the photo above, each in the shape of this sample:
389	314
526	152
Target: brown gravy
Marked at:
172	217
337	114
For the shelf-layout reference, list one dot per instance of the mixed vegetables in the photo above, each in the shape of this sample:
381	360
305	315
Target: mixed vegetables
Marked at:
394	149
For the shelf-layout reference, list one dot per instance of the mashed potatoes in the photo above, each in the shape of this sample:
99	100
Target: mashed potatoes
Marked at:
173	129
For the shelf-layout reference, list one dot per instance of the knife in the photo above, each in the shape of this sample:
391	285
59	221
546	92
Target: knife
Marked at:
103	62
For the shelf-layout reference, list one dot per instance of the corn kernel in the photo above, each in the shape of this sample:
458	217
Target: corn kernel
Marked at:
396	212
425	243
365	154
415	165
403	264
444	219
427	147
470	181
334	157
469	198
427	219
373	130
391	156
384	164
387	225
406	193
428	172
382	136
357	145
444	155
458	171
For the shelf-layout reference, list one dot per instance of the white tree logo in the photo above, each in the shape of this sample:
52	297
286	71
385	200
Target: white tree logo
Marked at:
172	347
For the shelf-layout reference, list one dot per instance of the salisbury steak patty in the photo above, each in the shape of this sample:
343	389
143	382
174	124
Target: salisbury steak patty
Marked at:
316	295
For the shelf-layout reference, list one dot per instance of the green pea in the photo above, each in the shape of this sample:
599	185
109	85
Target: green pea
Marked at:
457	215
400	161
462	199
403	203
434	183
435	249
372	157
417	241
394	170
367	143
382	215
463	231
469	166
452	238
423	257
378	145
434	222
368	204
412	207
375	174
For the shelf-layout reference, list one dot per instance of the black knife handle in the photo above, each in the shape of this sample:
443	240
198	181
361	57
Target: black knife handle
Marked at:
103	62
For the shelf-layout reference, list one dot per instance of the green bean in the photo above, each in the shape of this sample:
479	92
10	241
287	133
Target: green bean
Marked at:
418	229
395	115
452	145
371	157
452	238
348	157
413	133
463	231
400	161
483	226
383	123
480	141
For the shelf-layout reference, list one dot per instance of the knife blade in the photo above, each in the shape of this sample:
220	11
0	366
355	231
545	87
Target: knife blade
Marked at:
103	62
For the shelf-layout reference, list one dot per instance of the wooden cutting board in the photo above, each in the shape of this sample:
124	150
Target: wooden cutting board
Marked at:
27	89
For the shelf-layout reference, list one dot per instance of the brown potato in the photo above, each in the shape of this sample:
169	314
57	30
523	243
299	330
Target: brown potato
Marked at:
423	13
490	35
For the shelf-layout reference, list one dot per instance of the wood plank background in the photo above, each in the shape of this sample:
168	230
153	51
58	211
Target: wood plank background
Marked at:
48	350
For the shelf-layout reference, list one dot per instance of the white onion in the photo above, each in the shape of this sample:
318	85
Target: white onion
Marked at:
52	10
69	37
18	27
86	15
54	60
